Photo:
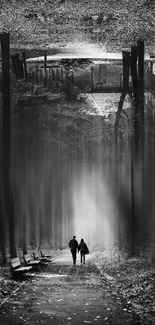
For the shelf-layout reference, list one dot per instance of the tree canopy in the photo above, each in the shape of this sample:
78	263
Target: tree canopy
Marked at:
35	24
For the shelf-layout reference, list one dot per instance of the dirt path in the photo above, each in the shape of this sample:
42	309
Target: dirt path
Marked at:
65	294
106	103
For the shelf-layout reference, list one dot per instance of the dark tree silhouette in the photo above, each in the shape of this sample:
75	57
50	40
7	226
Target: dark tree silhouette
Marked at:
137	150
6	134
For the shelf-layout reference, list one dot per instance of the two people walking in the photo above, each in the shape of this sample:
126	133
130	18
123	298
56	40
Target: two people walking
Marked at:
82	247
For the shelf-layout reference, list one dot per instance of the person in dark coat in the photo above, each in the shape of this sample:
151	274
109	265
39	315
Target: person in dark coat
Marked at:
82	248
73	244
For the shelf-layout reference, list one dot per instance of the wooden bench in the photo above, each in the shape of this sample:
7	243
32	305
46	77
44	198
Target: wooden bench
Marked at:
17	268
38	257
45	255
29	260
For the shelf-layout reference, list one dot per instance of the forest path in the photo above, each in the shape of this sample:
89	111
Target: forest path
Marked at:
106	104
62	293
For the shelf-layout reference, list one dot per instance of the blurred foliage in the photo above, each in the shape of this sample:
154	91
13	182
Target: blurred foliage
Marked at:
37	24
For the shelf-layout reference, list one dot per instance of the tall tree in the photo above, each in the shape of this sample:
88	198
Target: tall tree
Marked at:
125	91
140	46
134	148
6	160
137	150
2	228
2	216
24	63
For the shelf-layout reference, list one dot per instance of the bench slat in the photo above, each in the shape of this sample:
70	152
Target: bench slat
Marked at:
15	265
15	262
34	262
23	268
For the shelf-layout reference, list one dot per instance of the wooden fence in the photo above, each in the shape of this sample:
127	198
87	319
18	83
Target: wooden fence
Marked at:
52	77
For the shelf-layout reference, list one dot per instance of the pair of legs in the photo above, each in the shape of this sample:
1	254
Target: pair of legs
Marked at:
82	256
73	251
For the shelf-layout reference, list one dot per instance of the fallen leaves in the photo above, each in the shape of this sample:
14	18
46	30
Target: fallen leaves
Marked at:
130	282
59	300
107	276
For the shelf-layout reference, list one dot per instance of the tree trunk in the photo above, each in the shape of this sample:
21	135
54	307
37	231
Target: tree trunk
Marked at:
140	45
26	178
2	237
40	239
125	90
2	216
141	96
13	252
92	78
17	66
45	68
24	246
134	75
126	60
137	159
24	62
132	222
6	162
141	89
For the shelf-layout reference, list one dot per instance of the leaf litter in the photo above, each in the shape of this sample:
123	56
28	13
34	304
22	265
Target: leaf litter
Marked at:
131	282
